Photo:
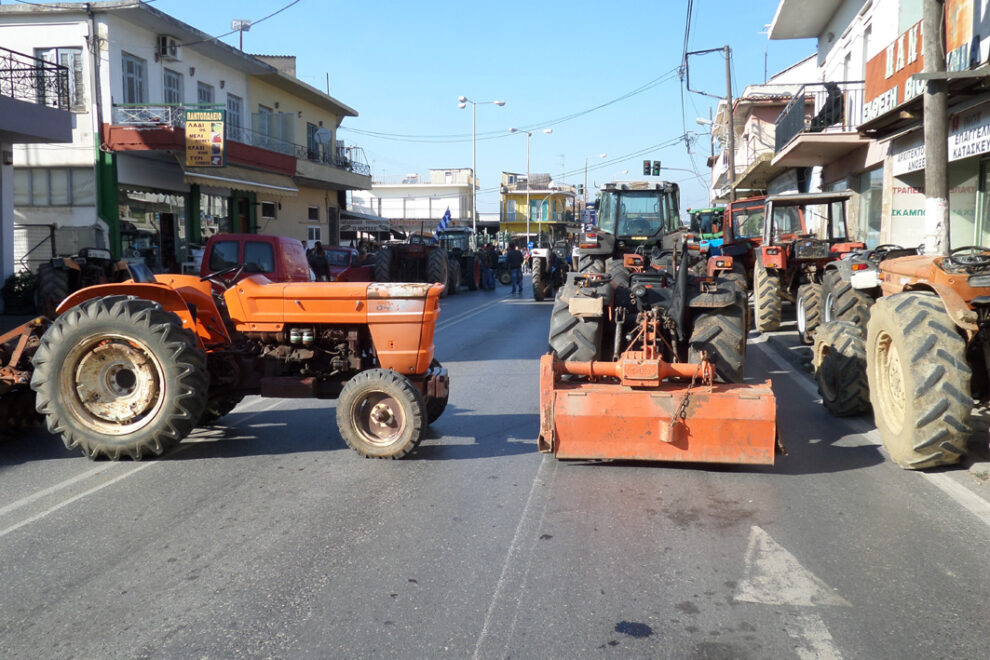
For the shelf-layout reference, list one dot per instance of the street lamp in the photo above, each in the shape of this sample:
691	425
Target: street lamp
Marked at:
462	102
586	177
529	134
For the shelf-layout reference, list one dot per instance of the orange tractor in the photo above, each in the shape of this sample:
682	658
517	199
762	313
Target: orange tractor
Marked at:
647	365
130	369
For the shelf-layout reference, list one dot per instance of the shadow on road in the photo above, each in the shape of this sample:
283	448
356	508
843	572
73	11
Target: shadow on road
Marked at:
32	444
493	435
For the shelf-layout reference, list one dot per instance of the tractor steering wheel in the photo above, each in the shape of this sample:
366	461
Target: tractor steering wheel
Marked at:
976	257
881	250
216	277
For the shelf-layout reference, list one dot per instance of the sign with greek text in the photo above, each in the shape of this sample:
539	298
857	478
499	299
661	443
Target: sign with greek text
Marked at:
969	135
205	146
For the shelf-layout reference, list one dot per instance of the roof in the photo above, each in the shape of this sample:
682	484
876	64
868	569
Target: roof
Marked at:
148	17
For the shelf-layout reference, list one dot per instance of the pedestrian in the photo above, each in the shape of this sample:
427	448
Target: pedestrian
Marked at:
514	260
318	262
489	260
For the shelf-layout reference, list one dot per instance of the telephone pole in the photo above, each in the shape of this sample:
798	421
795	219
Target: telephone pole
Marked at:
936	124
732	128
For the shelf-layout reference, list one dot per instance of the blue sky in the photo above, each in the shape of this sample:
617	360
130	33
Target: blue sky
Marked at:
403	65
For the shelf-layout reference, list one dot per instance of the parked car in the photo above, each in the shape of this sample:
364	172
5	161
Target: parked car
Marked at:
346	265
278	258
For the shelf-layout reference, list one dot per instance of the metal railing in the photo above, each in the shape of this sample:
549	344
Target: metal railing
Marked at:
175	116
836	106
28	78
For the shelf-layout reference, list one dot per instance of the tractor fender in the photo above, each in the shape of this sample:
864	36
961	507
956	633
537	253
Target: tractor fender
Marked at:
719	264
772	256
179	294
957	309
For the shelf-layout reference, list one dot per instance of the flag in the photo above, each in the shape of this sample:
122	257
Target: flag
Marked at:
443	224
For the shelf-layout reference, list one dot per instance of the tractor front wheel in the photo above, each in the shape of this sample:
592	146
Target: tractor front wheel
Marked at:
840	368
119	376
454	276
841	302
380	414
766	299
539	275
919	380
51	288
383	264
809	311
437	268
473	267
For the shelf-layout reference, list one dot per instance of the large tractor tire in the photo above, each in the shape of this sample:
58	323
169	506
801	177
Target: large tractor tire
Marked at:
722	334
473	273
119	376
841	302
590	264
766	299
383	264
840	368
919	380
539	279
574	339
620	274
380	414
437	268
453	276
809	311
217	407
51	288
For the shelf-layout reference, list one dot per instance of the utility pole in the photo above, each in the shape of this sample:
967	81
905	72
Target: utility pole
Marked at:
732	128
936	124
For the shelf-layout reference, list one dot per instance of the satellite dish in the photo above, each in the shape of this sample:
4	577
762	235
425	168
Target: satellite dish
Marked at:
322	135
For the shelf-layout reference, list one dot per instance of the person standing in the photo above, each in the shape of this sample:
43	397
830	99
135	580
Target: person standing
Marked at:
489	260
318	262
514	260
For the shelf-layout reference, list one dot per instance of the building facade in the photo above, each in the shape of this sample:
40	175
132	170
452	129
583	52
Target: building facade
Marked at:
413	203
537	205
135	73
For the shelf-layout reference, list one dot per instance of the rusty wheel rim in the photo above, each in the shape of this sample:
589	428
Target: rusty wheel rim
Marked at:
112	384
890	381
379	418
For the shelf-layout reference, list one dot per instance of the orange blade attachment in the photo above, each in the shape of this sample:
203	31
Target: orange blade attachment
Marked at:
734	424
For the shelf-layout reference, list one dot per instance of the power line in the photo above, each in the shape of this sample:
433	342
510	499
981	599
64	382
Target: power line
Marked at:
253	23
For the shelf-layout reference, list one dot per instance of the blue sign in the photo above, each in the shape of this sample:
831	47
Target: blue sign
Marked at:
530	245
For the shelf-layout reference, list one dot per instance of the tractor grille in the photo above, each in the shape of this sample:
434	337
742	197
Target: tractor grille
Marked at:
810	249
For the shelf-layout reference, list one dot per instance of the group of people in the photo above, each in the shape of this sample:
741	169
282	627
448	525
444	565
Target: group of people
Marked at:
488	258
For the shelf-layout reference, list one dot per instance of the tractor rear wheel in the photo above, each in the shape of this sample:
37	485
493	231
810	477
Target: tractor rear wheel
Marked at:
51	288
766	299
217	407
539	275
620	274
473	268
572	338
841	302
809	311
383	264
437	268
120	376
722	334
380	414
840	368
453	276
590	264
919	380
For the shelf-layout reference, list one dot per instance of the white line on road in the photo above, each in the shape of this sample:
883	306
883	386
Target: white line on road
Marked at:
463	316
24	501
963	496
814	642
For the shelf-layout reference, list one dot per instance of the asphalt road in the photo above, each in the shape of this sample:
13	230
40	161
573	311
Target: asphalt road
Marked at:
269	538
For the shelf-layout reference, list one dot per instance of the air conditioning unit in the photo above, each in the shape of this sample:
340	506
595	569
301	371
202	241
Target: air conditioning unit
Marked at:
169	48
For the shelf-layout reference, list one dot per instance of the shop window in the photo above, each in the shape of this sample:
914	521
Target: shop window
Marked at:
173	87
870	206
72	59
268	210
314	213
224	255
135	72
259	257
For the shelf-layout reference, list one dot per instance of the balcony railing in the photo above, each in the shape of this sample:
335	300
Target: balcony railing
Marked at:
150	116
30	79
835	106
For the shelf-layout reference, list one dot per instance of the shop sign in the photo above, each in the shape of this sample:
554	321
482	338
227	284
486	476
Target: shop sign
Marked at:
205	145
889	81
969	135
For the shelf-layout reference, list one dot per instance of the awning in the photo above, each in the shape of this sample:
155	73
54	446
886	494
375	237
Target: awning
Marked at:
366	222
241	178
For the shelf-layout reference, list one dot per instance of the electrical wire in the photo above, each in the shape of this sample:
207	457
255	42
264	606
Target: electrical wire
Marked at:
253	23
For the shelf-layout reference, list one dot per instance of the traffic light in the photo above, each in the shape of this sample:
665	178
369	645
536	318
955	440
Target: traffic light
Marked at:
580	189
656	168
646	168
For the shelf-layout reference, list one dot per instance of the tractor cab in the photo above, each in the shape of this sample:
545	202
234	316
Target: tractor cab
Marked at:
640	213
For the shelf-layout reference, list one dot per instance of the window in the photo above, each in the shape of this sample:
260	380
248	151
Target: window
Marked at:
314	213
204	93
56	186
312	146
235	117
264	120
173	88
135	79
314	234
224	255
259	257
870	206
268	210
72	59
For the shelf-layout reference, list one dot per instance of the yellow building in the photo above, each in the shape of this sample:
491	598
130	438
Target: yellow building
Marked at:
535	206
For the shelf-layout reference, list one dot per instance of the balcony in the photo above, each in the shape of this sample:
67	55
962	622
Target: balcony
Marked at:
819	124
35	99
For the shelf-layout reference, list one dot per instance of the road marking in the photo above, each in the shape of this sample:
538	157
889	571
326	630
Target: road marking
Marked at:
463	316
199	437
510	560
773	576
963	496
814	642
